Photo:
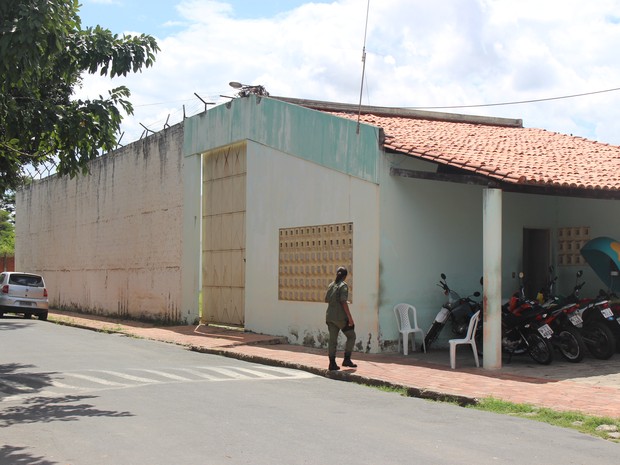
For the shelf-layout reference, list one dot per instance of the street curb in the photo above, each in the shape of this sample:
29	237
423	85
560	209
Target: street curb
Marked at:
344	375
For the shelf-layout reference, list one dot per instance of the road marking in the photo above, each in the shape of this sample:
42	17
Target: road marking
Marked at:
200	374
258	374
129	377
228	372
94	379
60	385
167	375
18	386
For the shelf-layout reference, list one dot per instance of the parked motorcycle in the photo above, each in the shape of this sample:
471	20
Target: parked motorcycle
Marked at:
523	329
596	316
566	338
457	310
601	253
613	322
563	316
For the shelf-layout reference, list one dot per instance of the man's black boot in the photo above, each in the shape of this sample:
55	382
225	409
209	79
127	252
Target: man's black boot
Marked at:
347	361
332	364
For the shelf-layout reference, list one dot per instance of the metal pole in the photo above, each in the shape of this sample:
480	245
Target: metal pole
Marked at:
492	276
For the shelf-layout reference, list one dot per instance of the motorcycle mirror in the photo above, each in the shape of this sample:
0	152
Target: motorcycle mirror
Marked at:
476	294
521	275
580	273
481	280
443	276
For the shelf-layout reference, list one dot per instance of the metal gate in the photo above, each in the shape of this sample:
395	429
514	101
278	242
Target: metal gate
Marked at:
223	237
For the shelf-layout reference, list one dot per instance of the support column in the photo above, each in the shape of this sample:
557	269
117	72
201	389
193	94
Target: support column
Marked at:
492	276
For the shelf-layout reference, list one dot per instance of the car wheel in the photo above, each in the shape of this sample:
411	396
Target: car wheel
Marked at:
27	315
43	316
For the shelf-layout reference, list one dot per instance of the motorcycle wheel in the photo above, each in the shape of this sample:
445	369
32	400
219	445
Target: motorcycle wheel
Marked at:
570	344
432	334
599	340
539	348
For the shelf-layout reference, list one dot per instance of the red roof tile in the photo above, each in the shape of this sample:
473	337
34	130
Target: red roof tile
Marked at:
514	155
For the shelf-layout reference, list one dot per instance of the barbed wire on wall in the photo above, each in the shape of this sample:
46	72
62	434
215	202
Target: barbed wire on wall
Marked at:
41	171
50	167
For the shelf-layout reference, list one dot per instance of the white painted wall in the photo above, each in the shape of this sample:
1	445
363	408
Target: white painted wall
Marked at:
284	191
427	228
110	242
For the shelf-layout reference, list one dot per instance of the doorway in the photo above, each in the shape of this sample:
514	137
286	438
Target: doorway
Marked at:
536	260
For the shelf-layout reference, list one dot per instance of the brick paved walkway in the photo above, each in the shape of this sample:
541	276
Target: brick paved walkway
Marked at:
591	387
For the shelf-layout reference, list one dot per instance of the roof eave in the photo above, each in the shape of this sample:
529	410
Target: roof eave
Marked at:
506	183
402	112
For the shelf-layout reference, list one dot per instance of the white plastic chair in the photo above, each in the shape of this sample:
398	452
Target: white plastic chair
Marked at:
401	311
470	339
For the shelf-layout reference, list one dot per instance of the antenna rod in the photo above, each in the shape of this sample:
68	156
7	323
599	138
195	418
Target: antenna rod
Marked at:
359	113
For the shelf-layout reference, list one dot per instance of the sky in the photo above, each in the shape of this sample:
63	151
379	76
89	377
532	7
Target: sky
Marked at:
470	55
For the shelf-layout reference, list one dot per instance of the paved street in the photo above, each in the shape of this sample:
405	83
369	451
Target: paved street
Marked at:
591	387
70	396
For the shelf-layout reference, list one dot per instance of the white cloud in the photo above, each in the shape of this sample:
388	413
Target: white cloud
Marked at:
419	53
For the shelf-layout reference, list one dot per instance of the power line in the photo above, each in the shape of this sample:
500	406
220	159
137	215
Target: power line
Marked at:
516	102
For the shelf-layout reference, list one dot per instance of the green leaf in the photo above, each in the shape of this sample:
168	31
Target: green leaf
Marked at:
43	55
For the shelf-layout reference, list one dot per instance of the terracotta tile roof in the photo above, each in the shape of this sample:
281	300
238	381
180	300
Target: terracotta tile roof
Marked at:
517	155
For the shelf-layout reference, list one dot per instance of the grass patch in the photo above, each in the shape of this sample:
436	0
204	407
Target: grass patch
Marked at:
389	388
602	427
112	329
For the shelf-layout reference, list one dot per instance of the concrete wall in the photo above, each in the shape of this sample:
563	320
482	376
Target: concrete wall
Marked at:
284	192
110	242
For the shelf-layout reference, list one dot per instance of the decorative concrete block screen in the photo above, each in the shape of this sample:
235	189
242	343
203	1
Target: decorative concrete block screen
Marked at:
570	242
309	258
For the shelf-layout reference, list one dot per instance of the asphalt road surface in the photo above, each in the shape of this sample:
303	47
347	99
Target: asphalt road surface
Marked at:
75	397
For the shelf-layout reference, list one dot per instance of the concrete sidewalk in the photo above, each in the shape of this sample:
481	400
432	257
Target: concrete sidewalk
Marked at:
591	387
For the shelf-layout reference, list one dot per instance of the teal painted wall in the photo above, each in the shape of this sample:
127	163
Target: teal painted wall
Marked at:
315	136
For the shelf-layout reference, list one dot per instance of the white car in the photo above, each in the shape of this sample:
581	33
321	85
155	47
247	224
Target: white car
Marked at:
23	293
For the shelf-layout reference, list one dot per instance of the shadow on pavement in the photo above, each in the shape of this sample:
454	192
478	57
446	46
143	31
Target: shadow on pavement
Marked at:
11	455
49	409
